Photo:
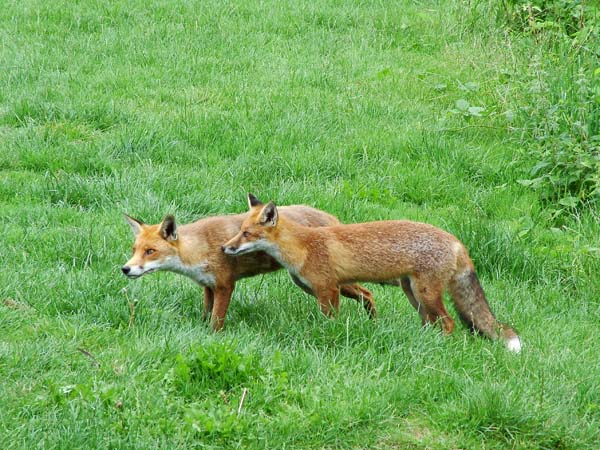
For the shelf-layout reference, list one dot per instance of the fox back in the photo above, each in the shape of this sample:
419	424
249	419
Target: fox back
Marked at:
373	251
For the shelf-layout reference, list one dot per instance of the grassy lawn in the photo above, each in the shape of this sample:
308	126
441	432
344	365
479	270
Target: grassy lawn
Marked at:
369	110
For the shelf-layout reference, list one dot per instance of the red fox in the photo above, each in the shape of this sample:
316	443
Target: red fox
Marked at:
194	250
422	259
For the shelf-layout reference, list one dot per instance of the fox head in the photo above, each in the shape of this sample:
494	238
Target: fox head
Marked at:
257	230
155	247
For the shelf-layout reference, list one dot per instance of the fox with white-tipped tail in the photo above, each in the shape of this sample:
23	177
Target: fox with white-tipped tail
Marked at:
420	258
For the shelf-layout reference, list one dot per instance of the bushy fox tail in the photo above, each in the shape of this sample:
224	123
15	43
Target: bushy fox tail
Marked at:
474	310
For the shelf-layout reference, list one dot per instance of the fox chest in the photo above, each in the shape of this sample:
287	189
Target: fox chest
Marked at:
200	273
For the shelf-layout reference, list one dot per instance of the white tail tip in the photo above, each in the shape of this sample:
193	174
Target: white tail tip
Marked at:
514	344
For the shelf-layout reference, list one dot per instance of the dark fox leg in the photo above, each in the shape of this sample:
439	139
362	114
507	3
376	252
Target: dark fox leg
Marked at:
405	285
298	282
429	295
473	309
361	295
209	298
354	291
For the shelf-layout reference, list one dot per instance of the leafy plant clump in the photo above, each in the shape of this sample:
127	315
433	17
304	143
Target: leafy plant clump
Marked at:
565	132
568	17
561	112
216	366
216	421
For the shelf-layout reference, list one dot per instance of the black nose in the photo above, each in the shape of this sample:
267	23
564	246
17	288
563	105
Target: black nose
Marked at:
223	248
126	269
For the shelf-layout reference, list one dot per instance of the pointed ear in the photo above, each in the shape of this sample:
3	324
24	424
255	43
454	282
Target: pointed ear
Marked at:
168	228
253	201
268	216
136	225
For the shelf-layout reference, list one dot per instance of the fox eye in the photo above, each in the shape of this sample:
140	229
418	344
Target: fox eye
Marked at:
245	234
149	251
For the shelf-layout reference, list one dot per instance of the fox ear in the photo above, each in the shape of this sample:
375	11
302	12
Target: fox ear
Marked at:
168	228
136	225
253	201
268	215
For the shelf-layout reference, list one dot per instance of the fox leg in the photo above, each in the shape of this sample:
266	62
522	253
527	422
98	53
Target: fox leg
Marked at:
354	291
426	316
361	295
405	285
329	300
222	297
429	294
298	282
209	298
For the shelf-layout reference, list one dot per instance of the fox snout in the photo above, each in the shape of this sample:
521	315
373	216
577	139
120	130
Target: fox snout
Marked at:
229	249
131	272
135	271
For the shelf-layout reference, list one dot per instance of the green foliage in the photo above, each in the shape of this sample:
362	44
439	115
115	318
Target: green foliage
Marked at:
370	110
561	107
218	422
217	365
564	128
560	17
464	108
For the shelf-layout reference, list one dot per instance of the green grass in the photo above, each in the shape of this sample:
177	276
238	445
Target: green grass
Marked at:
182	107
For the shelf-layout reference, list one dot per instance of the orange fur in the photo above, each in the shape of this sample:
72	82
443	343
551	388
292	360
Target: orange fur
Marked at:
194	250
422	259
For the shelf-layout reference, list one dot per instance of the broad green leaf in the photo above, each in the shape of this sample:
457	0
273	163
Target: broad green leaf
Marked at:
475	111
568	201
462	104
470	86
